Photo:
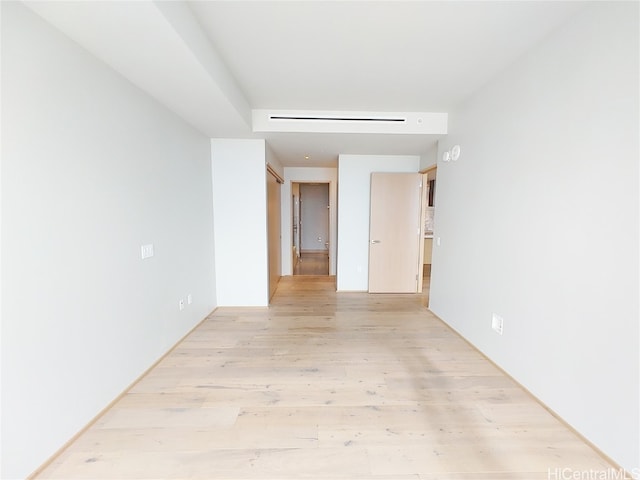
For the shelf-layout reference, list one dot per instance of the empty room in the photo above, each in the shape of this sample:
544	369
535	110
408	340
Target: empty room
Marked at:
474	312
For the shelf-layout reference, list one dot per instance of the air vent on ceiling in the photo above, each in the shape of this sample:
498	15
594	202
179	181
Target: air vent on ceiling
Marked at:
337	119
324	121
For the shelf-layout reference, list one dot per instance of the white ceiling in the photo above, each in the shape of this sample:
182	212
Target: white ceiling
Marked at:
211	62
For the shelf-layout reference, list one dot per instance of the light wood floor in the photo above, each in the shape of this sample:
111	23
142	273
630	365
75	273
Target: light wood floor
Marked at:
323	385
311	263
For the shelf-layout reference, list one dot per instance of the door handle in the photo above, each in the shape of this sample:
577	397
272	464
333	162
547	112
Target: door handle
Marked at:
375	241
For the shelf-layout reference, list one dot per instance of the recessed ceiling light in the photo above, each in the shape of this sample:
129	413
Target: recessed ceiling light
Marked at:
306	157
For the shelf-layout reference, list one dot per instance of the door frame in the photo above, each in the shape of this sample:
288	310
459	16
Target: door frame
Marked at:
274	230
300	217
287	233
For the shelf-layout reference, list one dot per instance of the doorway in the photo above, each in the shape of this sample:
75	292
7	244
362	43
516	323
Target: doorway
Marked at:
429	218
311	230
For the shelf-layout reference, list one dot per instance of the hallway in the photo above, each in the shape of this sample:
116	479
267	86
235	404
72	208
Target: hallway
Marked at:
325	385
312	264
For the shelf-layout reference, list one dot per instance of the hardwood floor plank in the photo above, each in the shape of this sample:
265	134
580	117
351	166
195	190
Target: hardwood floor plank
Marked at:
177	416
172	439
325	385
481	457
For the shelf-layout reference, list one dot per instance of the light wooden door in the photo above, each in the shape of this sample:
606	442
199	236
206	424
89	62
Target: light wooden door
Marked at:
395	232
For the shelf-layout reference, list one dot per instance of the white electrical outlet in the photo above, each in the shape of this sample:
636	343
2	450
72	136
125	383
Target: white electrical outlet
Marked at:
181	304
146	251
497	323
189	299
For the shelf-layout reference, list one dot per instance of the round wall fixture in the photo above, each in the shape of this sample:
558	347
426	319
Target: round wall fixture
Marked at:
455	152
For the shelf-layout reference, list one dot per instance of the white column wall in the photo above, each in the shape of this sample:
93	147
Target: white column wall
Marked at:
240	221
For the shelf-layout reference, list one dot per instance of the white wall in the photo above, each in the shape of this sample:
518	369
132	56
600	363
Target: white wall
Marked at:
91	169
354	180
429	158
240	221
274	161
539	223
305	174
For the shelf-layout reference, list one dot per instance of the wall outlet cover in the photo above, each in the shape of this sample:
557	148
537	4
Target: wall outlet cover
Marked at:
497	323
146	251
